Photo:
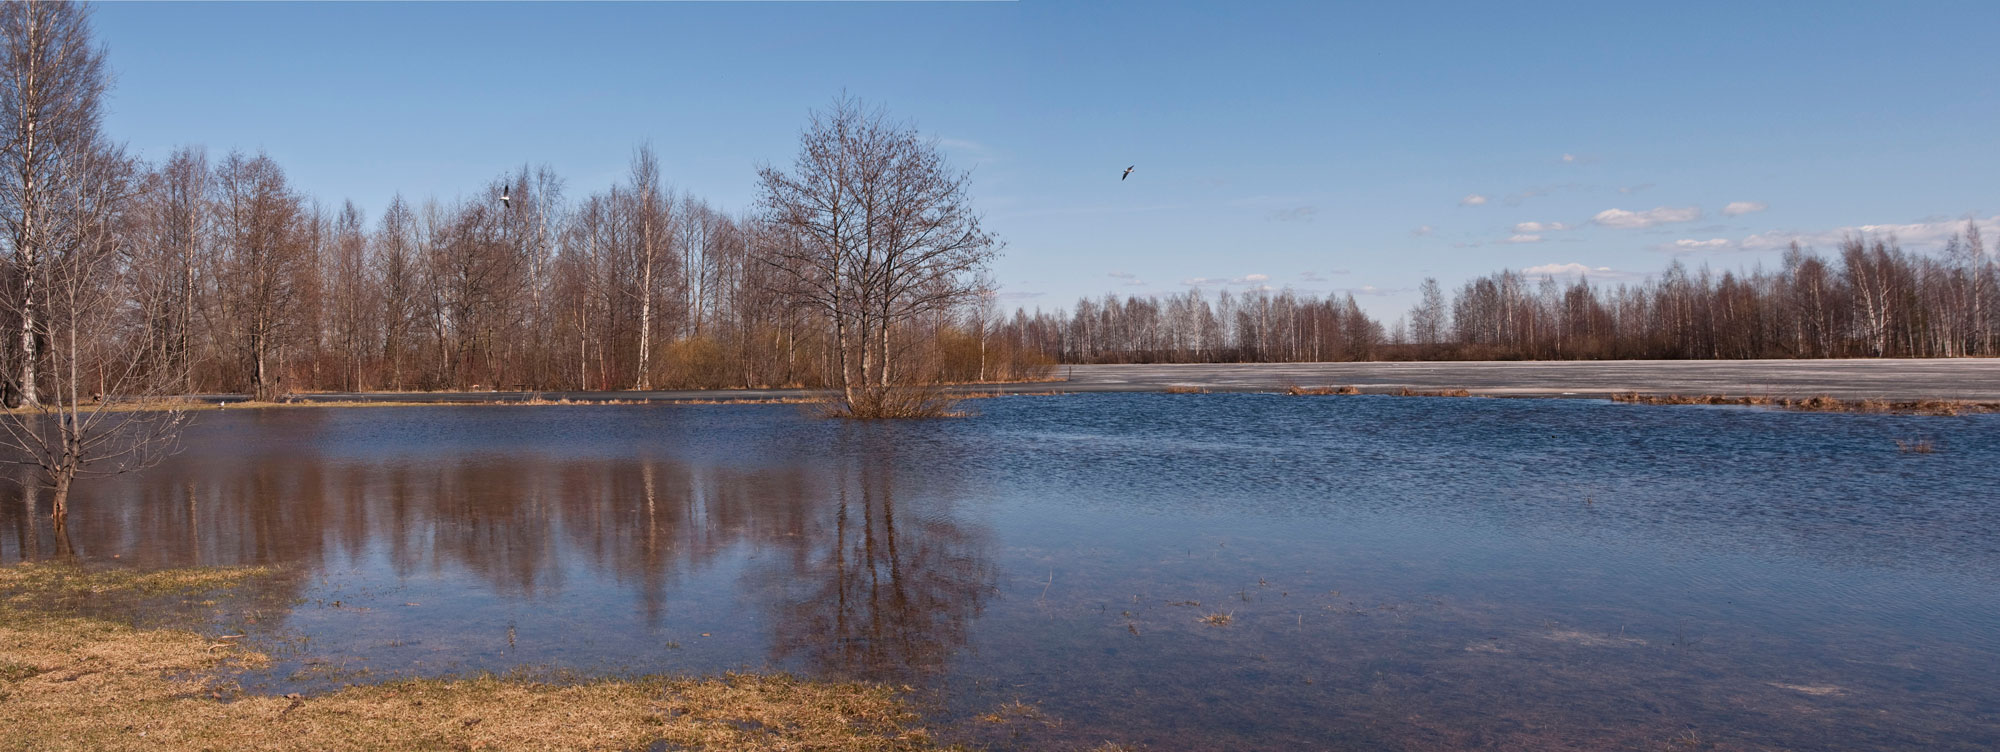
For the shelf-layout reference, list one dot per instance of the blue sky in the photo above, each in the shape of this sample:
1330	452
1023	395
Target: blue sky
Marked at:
1317	145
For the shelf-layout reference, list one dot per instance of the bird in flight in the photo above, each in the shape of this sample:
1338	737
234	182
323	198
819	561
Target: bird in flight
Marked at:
503	195
1128	172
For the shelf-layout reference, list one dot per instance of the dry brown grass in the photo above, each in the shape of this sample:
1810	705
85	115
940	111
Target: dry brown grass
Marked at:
990	395
43	583
893	403
1185	389
1408	392
1817	403
1314	391
1218	619
1915	446
73	683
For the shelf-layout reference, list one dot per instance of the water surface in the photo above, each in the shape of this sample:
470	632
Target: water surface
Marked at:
1394	573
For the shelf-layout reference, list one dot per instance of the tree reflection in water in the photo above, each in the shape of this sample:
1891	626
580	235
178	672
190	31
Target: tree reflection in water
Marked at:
855	557
880	597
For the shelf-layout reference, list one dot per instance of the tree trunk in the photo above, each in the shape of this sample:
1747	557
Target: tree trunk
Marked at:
646	323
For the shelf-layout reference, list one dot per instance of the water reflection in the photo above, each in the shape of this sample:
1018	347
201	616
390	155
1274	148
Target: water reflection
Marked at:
876	595
862	570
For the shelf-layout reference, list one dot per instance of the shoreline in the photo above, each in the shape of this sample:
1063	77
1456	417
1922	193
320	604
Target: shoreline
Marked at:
74	681
1970	384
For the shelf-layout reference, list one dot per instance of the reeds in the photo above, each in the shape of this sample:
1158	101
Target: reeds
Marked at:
1314	391
1408	392
893	402
1186	389
1816	403
1915	446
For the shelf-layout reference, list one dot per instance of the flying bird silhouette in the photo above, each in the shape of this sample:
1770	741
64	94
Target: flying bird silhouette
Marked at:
503	195
1128	172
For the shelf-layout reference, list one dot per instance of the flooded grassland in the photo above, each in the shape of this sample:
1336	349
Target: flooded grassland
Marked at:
1157	571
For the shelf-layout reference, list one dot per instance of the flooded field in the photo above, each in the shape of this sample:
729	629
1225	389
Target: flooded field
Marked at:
1168	572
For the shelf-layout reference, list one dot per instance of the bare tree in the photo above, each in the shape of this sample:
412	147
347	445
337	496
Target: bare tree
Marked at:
874	230
52	82
96	354
263	231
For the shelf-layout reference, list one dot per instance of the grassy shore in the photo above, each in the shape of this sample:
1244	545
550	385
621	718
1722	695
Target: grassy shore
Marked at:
73	682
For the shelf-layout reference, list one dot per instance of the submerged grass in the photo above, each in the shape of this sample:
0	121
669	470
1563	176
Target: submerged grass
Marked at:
76	683
1915	446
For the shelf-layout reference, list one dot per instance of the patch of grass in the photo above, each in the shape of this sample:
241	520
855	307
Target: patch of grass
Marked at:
1408	392
1817	403
1013	711
1314	391
1185	389
75	683
1218	619
59	582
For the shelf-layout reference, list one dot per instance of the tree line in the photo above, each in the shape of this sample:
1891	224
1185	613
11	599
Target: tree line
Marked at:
241	282
1871	299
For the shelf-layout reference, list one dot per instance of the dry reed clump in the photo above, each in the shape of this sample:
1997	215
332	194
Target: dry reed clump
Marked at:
1185	389
1314	391
1816	403
1218	619
1915	446
72	683
894	402
1408	392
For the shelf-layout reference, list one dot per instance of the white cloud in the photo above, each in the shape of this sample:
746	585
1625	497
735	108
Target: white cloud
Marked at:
1574	269
1560	269
1472	200
1253	281
1638	220
1915	234
1569	157
1124	275
1688	244
1739	208
1422	231
1373	290
1523	238
1540	227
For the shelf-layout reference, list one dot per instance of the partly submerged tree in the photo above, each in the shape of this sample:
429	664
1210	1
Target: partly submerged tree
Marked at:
94	417
873	230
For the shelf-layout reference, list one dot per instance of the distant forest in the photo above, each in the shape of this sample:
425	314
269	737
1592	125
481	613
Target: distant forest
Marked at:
1872	300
